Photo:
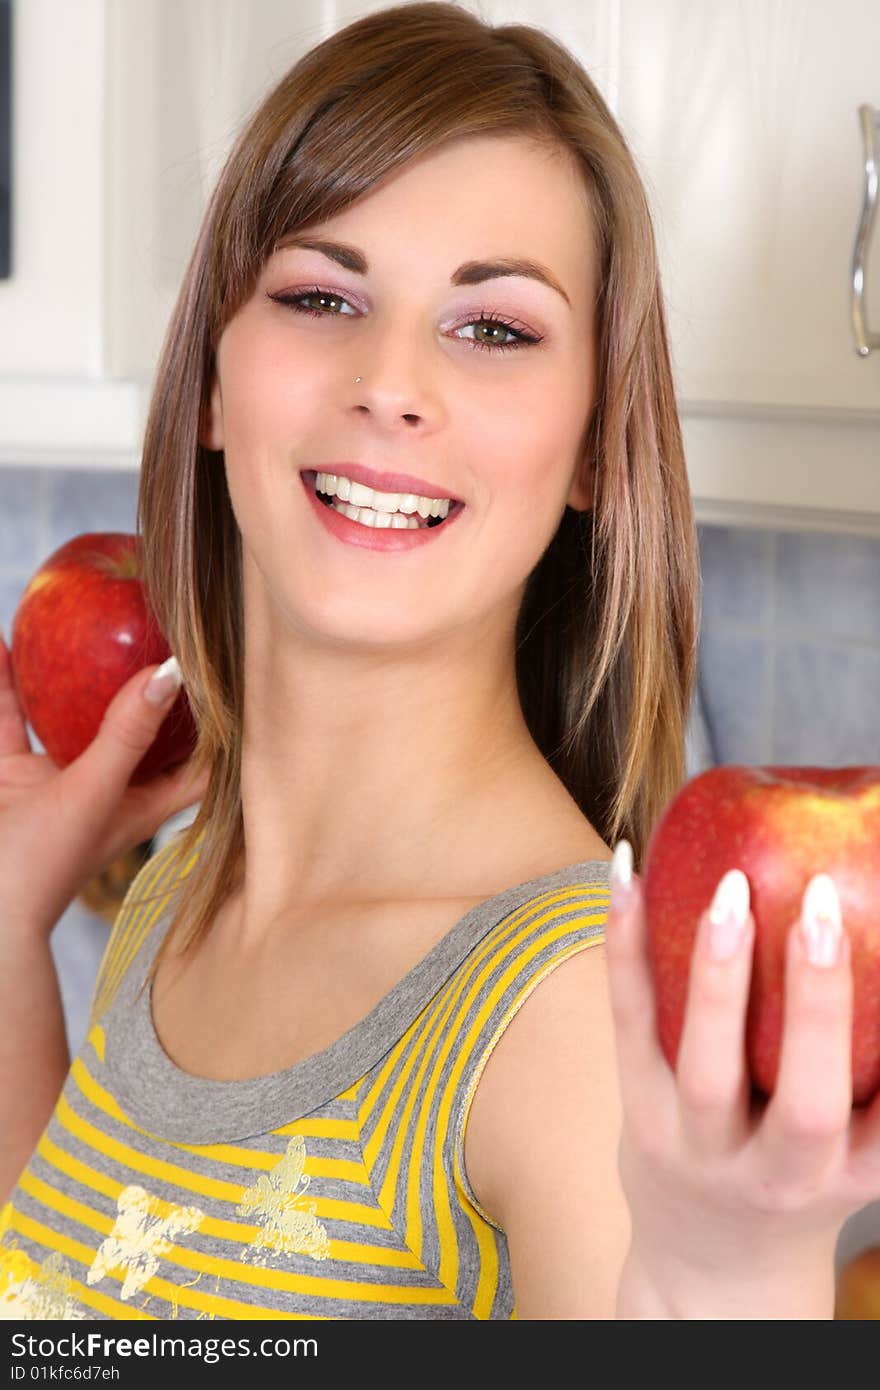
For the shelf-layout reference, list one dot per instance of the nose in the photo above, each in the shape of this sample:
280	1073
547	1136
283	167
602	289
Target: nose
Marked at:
392	380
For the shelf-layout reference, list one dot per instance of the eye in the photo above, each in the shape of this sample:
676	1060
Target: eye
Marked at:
520	337
296	301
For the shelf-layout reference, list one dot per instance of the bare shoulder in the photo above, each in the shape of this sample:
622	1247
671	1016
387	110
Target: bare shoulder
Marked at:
541	1144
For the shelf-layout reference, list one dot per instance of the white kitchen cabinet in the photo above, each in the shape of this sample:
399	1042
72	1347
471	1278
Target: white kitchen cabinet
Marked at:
742	116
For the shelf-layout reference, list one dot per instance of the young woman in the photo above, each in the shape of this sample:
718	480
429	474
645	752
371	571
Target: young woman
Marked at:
417	526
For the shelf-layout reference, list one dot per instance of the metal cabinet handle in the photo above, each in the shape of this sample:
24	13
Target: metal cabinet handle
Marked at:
869	119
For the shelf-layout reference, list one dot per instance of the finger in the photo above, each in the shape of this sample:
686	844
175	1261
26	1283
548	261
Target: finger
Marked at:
645	1077
864	1153
13	730
130	724
712	1067
806	1122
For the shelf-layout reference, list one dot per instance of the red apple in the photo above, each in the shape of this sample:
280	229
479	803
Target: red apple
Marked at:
82	628
780	825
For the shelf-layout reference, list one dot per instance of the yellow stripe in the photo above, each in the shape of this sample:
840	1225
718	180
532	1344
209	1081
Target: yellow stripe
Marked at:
449	1255
142	1163
97	1039
353	1091
501	942
73	1250
343	1169
510	922
238	1232
415	1041
146	914
253	1276
464	1046
95	1093
183	1178
319	1127
440	1012
238	1269
413	1175
482	1225
141	918
59	1202
511	933
391	1184
155	1287
80	1172
124	929
487	1245
241	1157
131	916
408	1043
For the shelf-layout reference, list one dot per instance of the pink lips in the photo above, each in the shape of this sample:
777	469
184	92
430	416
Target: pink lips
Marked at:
370	537
386	482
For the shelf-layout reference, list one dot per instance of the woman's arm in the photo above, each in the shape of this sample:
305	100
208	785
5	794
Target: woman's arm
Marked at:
541	1145
33	1049
58	828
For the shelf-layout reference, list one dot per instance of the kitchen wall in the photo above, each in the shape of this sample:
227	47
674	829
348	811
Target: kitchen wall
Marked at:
790	646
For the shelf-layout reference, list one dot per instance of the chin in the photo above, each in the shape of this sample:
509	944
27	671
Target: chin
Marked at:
367	626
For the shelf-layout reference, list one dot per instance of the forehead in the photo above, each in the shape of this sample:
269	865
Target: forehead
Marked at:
477	196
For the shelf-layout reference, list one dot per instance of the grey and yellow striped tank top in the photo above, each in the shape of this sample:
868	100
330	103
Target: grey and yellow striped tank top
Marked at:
333	1189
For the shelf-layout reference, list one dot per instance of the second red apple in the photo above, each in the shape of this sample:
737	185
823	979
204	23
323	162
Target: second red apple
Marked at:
780	825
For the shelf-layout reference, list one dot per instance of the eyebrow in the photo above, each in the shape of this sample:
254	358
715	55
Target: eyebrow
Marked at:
470	273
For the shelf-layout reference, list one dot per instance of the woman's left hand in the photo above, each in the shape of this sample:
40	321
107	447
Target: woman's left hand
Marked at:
736	1205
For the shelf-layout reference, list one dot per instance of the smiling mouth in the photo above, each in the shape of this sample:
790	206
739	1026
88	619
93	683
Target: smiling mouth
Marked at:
422	523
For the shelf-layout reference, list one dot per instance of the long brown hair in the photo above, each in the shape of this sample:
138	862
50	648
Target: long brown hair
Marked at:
606	636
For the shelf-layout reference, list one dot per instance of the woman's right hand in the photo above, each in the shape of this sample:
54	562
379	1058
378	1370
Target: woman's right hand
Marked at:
736	1205
59	827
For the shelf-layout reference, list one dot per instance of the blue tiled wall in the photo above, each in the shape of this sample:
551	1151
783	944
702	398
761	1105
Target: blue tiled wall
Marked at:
790	647
40	509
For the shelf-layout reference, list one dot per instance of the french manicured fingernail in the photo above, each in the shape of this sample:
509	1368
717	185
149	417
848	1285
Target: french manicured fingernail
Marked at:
728	914
621	873
164	682
821	924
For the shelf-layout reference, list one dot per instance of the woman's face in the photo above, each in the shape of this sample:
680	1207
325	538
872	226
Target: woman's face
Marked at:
470	409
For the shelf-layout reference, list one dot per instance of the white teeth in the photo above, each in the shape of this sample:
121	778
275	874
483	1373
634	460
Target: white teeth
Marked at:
361	496
383	503
367	517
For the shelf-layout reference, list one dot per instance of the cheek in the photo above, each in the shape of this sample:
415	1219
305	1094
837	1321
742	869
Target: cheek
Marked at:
528	468
270	393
